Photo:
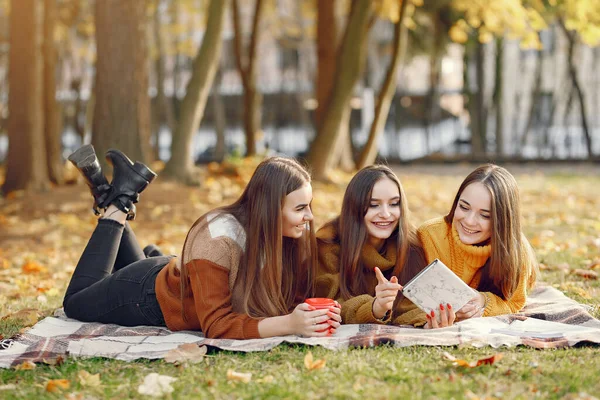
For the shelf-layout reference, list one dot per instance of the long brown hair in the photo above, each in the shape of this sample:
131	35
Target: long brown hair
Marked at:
353	233
274	271
511	251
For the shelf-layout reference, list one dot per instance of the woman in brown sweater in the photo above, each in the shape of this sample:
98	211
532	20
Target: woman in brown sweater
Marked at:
246	268
369	250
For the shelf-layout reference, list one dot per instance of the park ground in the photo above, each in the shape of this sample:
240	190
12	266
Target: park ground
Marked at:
42	236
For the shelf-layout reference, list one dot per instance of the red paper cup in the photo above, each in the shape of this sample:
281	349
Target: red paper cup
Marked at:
321	303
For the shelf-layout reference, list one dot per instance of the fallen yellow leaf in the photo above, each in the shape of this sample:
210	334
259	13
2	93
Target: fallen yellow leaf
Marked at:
26	316
238	376
55	385
586	273
310	364
32	267
25	366
472	364
189	352
87	379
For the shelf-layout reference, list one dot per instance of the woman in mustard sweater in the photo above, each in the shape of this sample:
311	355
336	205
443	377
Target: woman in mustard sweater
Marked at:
481	241
369	249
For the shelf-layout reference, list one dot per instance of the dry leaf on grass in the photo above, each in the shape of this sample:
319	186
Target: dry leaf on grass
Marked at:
32	267
55	385
10	386
156	385
472	364
53	361
266	379
87	379
238	376
586	273
25	366
311	364
27	316
189	352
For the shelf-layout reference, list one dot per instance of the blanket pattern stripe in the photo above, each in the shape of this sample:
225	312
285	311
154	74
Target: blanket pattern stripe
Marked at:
549	320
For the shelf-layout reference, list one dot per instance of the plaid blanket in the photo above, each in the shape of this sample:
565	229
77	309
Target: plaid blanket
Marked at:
549	320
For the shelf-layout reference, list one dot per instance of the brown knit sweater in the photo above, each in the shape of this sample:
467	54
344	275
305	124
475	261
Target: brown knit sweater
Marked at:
212	304
359	309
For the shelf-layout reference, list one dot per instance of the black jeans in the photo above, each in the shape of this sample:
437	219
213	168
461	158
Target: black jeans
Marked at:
114	282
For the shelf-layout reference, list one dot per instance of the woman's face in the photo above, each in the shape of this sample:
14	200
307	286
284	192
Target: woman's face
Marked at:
383	211
296	212
472	217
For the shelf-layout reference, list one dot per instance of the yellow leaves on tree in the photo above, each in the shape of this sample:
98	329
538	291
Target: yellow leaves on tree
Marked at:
497	17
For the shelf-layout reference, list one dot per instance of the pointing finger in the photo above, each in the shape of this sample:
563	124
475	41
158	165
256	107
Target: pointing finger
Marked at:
379	275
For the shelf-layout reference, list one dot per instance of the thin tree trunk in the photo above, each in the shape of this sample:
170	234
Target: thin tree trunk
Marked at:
219	117
580	96
477	108
246	66
386	94
52	113
205	66
326	55
165	107
533	113
348	70
122	109
498	97
26	162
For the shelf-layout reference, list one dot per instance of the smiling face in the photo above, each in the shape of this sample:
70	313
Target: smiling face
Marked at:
383	211
296	212
472	217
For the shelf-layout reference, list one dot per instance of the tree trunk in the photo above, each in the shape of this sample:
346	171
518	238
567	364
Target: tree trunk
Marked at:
386	94
165	107
580	96
205	66
533	110
52	113
326	55
26	162
219	116
246	66
498	97
348	70
122	109
477	108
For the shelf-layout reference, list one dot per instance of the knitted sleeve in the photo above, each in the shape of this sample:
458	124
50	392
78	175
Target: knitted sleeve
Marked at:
359	310
327	281
498	306
406	313
212	302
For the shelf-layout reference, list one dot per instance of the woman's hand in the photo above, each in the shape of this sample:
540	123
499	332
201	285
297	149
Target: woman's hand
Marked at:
447	318
307	321
385	294
474	308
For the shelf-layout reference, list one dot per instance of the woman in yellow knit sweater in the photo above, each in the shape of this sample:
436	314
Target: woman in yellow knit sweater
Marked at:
481	241
369	249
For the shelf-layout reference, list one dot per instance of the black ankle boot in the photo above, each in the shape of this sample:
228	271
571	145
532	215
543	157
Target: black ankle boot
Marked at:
129	180
85	160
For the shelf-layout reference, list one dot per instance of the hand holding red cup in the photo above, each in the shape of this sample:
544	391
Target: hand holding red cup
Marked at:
322	303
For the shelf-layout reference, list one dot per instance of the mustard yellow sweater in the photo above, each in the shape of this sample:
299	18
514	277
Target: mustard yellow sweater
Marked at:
359	309
441	240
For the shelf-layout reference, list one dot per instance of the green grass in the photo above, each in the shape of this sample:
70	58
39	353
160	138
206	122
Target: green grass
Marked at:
380	373
568	206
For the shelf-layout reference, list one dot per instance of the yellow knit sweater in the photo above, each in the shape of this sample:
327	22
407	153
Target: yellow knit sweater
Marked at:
359	309
441	240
